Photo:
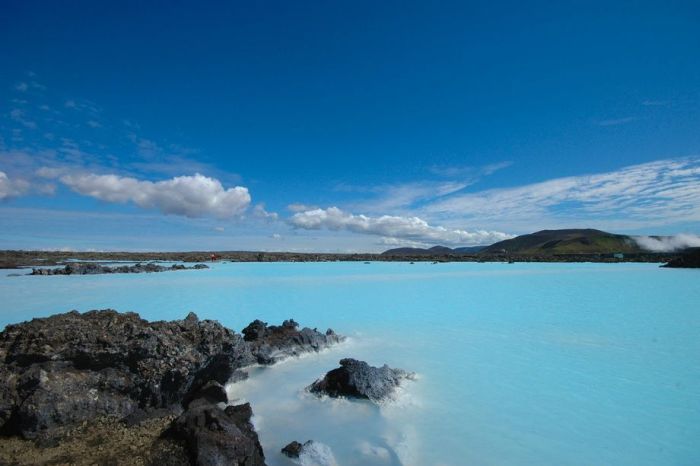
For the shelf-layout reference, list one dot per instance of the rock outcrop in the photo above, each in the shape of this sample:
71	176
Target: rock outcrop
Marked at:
357	379
269	344
92	268
71	367
61	372
689	260
218	437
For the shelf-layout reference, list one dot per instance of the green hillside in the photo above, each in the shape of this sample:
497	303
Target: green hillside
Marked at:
573	241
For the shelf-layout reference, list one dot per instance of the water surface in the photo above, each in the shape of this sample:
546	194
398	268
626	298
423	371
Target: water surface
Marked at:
527	364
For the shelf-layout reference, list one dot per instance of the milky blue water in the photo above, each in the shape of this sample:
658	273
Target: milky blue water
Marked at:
527	364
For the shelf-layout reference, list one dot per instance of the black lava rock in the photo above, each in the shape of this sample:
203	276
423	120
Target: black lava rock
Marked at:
292	449
357	379
219	437
92	268
62	370
269	344
690	259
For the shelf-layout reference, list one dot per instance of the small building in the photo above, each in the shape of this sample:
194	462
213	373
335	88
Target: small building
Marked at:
618	255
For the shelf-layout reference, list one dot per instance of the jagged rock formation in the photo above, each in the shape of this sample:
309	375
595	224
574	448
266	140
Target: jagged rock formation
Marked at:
61	372
272	343
357	379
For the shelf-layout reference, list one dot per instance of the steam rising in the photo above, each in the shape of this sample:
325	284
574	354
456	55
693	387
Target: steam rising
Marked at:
668	243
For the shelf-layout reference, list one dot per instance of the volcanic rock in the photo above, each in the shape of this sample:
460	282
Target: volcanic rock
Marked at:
269	344
357	379
68	368
92	268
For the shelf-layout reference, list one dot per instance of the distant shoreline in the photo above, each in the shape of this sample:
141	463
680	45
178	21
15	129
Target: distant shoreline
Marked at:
10	259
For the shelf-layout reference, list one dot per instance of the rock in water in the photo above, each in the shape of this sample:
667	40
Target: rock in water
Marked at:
272	343
92	268
68	368
357	379
293	449
310	453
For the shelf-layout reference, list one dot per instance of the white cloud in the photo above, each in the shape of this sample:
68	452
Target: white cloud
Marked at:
22	86
412	228
191	196
260	212
655	193
19	115
402	243
668	243
398	198
297	207
470	172
10	188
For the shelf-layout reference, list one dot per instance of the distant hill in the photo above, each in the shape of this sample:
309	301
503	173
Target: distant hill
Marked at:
434	251
573	241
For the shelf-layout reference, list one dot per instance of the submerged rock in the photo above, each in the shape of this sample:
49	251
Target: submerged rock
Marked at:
357	379
269	344
92	268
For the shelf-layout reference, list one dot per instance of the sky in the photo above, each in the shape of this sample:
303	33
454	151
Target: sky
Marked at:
344	126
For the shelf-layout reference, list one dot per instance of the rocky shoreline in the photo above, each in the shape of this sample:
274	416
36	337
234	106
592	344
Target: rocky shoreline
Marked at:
10	259
689	260
111	388
92	268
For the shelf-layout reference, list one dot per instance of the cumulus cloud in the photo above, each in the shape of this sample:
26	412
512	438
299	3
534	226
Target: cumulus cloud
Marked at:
412	228
191	196
10	188
668	243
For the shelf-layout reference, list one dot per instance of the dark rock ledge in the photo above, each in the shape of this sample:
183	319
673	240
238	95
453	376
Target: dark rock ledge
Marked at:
357	379
92	268
688	260
269	344
111	388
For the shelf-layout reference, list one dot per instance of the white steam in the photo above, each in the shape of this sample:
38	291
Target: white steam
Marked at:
668	243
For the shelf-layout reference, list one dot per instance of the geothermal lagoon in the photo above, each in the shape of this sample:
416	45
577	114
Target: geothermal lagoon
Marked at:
528	364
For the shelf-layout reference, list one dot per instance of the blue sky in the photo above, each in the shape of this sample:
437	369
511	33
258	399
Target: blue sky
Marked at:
344	126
